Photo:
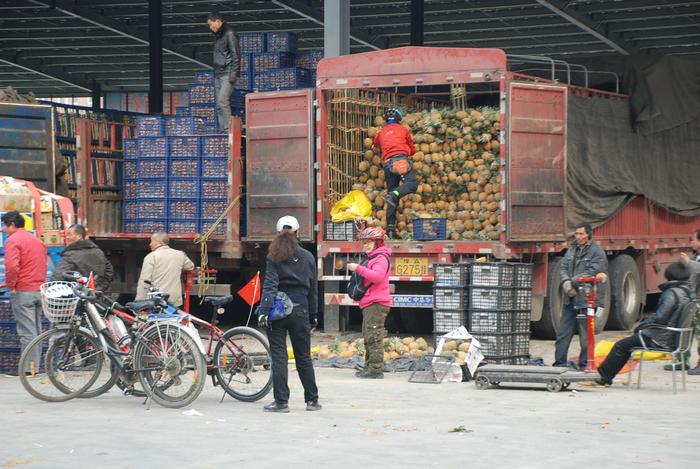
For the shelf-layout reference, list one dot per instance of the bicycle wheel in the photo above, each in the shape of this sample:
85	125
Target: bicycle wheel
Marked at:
171	368
242	364
60	364
105	380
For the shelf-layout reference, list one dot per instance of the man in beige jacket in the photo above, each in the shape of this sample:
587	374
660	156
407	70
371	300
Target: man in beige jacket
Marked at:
163	266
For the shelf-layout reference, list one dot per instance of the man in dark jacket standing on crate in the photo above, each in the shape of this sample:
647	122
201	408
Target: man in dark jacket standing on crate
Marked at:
227	66
584	258
82	255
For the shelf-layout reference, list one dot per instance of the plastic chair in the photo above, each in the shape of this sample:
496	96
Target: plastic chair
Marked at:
685	338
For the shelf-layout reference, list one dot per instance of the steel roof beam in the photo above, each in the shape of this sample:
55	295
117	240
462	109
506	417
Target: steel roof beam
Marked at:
584	22
35	67
647	15
317	17
87	15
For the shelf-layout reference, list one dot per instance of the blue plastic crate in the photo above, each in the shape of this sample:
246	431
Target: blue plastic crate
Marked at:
152	209
429	229
130	149
184	226
6	311
212	208
201	94
152	147
269	60
216	146
184	146
184	188
238	112
131	169
308	58
282	79
280	41
213	167
184	167
8	334
150	126
151	226
131	209
131	226
252	42
131	188
245	81
183	208
237	98
204	111
245	62
220	229
152	188
184	125
204	77
211	130
153	168
214	188
182	111
9	359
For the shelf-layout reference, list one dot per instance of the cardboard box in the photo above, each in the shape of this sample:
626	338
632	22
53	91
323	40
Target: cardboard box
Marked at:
53	237
47	221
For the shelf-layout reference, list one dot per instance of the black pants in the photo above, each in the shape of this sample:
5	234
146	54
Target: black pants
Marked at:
619	355
297	324
571	320
393	183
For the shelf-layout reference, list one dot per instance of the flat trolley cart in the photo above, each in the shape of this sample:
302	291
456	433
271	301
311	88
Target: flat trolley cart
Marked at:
554	377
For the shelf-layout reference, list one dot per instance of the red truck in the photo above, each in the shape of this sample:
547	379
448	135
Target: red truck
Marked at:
294	166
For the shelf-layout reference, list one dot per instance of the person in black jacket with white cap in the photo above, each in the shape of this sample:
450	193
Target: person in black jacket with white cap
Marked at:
227	66
291	270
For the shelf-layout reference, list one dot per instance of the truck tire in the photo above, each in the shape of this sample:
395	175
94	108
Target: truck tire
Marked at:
626	294
546	327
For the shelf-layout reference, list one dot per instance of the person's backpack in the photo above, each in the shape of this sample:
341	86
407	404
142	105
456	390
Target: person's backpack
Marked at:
356	285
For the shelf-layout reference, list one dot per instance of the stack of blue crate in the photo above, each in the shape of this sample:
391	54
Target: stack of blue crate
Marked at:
275	69
213	189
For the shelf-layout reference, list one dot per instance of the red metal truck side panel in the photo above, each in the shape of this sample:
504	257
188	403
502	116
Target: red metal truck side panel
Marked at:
279	167
536	162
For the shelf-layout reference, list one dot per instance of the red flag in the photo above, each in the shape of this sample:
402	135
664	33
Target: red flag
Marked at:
251	291
91	282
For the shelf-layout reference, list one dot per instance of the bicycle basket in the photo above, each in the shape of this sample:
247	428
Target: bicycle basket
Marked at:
58	301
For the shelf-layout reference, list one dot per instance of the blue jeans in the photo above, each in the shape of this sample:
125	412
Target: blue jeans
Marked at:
223	89
26	307
567	325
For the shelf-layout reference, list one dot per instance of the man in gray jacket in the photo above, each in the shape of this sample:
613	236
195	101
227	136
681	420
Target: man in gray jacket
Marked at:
584	258
227	66
163	267
82	255
693	263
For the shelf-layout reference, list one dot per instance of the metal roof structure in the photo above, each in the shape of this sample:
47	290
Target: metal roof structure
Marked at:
66	47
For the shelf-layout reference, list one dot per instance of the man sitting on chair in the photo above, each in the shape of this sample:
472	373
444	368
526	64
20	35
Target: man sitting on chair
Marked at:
676	293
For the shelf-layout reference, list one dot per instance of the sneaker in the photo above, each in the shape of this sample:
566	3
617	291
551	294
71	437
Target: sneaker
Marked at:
276	407
313	405
694	371
669	367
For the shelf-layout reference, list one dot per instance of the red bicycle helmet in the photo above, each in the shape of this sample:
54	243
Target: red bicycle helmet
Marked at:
373	232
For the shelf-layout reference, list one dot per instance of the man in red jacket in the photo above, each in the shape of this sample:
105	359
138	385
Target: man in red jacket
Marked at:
396	143
25	271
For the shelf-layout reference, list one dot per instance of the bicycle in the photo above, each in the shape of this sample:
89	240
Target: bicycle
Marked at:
161	354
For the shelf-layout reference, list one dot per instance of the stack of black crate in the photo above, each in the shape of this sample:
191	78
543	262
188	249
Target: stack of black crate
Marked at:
499	299
450	297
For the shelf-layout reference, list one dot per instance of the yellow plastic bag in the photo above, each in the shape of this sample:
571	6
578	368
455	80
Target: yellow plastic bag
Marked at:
603	348
355	204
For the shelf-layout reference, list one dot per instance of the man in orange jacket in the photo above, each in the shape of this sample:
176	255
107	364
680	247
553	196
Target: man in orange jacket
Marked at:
25	271
396	143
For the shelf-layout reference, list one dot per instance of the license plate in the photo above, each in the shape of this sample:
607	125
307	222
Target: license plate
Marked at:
411	266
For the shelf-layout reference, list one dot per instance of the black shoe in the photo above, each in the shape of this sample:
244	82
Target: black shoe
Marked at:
359	373
562	365
391	234
371	375
694	371
276	407
602	382
669	367
313	405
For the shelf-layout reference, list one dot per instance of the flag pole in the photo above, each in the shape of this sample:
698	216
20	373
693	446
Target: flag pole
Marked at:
255	292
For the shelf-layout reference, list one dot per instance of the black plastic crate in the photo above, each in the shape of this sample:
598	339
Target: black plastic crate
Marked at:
183	209
495	345
490	298
429	229
451	275
521	344
522	299
447	321
184	167
491	274
446	298
491	321
523	275
521	321
346	231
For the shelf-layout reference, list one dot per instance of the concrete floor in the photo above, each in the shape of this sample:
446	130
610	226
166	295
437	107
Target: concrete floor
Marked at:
366	423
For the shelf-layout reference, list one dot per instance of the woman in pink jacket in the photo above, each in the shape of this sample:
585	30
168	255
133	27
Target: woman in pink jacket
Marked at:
376	302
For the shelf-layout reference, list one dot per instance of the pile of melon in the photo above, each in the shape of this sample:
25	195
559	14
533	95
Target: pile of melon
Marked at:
456	349
394	347
457	163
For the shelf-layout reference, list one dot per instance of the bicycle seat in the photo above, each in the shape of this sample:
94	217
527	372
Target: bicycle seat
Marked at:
140	305
218	300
